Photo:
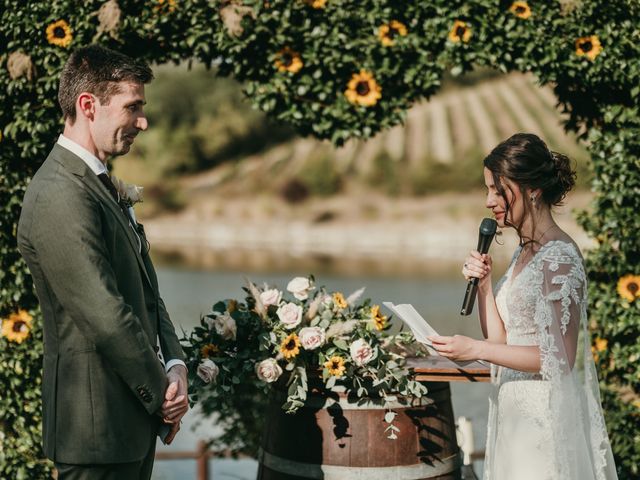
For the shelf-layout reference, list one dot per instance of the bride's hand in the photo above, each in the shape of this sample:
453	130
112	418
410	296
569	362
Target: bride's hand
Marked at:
478	265
458	347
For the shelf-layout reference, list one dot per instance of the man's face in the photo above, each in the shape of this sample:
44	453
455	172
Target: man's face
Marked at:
115	125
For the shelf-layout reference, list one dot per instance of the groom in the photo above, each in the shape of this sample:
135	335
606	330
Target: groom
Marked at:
106	394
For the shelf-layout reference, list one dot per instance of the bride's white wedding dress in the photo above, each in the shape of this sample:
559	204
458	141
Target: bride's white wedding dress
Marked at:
547	425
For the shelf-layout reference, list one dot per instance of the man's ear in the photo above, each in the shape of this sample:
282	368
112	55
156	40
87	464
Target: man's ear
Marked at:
86	105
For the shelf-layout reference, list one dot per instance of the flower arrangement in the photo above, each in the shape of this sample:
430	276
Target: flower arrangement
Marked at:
315	338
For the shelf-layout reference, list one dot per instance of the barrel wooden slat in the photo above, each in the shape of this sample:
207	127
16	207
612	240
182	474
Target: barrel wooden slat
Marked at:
348	442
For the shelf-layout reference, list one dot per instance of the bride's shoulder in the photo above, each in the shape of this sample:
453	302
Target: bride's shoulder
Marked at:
561	250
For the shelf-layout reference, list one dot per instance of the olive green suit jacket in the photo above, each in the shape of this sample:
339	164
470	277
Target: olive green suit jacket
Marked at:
103	382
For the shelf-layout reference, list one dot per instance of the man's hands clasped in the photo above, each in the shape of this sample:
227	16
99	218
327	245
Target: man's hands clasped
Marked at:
176	400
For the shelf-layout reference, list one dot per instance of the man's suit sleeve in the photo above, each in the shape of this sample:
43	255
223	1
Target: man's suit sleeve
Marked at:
67	235
169	343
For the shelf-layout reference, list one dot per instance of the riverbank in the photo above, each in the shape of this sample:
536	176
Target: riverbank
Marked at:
342	234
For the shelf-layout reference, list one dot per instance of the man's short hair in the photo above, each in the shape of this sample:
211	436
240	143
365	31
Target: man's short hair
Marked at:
99	71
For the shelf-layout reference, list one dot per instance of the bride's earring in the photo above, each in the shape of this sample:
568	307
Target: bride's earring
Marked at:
533	200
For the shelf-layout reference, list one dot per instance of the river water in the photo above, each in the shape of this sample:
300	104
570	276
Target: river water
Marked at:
190	293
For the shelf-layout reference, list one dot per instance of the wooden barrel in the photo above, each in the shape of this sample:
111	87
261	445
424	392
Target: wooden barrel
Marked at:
334	438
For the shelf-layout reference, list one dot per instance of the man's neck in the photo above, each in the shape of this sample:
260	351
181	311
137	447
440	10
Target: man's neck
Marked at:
83	138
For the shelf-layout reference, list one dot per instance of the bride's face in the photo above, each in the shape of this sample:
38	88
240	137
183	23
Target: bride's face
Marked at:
498	204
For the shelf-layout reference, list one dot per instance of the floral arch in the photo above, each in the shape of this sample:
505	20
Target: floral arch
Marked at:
340	69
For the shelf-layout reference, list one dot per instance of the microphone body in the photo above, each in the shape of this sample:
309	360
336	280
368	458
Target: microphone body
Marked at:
485	237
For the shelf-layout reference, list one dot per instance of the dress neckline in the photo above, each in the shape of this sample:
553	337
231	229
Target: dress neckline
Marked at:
512	278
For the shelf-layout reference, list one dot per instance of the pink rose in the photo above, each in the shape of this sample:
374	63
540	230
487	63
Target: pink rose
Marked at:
268	370
311	337
271	297
361	352
290	314
208	371
300	287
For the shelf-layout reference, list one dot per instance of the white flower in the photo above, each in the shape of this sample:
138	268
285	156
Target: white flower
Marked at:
361	352
208	371
224	325
271	297
290	314
268	370
300	287
311	337
131	194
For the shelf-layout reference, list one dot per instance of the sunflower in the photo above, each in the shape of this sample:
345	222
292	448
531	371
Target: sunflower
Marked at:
520	9
339	301
168	6
379	321
59	33
363	89
589	47
600	345
335	366
16	328
317	4
288	61
209	350
629	287
388	32
460	32
290	346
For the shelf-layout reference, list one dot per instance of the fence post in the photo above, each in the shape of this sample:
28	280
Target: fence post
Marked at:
203	461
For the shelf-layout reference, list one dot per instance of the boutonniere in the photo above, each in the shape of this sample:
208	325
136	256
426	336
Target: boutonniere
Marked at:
129	194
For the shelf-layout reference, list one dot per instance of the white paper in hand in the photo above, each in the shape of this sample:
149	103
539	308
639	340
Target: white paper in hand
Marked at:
418	325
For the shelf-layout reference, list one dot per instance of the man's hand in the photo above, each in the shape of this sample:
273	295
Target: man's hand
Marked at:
176	401
175	428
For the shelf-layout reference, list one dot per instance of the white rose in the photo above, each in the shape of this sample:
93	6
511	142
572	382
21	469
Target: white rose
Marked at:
268	370
224	325
311	337
361	352
208	371
290	314
271	297
300	287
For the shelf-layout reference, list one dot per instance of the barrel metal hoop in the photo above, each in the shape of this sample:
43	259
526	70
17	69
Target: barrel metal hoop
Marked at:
340	472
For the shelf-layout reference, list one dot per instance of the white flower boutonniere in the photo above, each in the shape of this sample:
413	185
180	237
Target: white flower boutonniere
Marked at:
129	194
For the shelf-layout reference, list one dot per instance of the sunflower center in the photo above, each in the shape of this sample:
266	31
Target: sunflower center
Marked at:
363	88
586	46
520	9
393	31
334	365
291	344
59	32
633	288
460	31
287	59
18	326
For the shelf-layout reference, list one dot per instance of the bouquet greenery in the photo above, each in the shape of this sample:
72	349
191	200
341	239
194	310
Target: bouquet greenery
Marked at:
241	350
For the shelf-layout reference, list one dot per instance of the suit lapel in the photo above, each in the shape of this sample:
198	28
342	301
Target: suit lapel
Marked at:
80	169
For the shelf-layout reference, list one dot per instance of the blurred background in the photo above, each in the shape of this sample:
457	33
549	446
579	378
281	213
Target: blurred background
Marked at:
230	196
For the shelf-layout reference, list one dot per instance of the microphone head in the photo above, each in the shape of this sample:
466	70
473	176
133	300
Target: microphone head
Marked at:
488	227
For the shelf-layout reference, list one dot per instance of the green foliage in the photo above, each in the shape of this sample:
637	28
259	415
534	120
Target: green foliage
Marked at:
600	95
243	353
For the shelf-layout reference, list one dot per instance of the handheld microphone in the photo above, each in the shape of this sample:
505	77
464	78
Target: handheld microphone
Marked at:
487	231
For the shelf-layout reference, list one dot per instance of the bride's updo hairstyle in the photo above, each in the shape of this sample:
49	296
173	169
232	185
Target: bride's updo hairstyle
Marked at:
527	161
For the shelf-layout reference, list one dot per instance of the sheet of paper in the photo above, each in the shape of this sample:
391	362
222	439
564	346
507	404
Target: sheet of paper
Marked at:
418	325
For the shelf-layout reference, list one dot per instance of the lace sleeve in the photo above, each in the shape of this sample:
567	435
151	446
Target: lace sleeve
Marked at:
560	308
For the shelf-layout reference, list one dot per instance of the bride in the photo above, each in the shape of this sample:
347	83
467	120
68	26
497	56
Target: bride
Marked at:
545	419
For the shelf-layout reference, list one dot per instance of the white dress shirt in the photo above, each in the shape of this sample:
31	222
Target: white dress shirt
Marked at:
98	168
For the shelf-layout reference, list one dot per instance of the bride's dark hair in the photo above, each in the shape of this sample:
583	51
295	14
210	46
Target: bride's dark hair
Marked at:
527	161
